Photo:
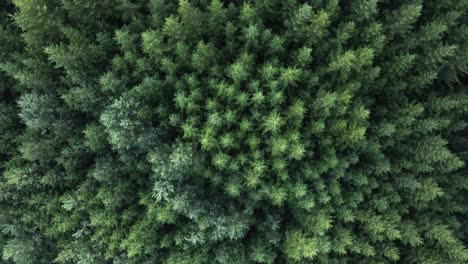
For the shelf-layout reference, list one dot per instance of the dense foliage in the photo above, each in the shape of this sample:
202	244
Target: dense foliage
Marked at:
210	131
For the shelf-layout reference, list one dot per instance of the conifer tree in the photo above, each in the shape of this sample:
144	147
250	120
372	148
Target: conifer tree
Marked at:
246	131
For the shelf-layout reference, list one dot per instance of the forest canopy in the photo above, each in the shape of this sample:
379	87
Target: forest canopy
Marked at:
233	131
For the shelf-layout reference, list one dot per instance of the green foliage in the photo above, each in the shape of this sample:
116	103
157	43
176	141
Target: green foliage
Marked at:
209	131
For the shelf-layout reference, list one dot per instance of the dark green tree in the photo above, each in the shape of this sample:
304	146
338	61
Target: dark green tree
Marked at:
210	131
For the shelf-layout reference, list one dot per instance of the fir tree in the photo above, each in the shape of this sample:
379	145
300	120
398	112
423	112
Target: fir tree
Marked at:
209	131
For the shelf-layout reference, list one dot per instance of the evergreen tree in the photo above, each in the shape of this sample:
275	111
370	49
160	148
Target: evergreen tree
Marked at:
210	131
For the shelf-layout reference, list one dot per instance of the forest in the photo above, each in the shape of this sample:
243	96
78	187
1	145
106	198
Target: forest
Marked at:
233	131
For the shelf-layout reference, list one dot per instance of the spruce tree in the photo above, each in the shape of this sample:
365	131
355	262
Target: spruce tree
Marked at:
246	131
